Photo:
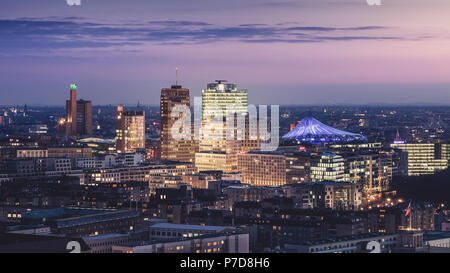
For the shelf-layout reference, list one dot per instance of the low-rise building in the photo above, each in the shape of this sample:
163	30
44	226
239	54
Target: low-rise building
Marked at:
363	243
333	195
72	152
209	243
170	231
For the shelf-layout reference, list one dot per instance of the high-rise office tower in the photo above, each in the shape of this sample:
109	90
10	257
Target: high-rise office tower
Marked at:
217	151
84	117
225	96
130	130
78	120
171	148
71	112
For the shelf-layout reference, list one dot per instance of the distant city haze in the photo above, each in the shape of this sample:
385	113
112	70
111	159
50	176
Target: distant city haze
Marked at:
282	52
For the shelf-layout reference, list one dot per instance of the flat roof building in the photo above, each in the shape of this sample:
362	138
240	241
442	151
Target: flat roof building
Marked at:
130	130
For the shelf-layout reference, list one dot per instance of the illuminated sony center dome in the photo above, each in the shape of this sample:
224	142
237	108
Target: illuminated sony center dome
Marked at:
310	130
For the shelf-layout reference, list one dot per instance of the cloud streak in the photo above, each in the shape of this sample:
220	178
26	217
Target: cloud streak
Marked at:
68	33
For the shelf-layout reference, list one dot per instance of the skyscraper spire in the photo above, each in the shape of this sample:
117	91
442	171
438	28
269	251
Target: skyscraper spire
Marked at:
176	75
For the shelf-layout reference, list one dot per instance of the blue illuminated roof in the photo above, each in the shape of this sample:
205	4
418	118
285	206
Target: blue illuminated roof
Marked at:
311	130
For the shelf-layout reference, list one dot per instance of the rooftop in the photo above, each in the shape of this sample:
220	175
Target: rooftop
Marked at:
435	235
346	238
187	227
104	236
170	240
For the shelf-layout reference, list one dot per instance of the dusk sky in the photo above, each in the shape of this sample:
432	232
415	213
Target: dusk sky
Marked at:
283	52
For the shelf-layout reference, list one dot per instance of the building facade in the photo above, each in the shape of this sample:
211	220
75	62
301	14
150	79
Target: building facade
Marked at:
220	102
173	149
225	97
130	130
333	195
422	158
78	121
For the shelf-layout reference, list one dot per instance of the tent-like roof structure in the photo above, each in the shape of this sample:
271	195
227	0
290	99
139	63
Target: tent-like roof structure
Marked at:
311	130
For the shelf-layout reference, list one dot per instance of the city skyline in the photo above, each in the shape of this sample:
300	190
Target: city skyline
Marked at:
255	127
320	52
141	103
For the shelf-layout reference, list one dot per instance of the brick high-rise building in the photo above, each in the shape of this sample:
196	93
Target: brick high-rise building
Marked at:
84	118
78	121
172	149
71	112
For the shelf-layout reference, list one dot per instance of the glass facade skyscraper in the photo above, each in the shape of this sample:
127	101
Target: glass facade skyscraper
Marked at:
225	96
216	150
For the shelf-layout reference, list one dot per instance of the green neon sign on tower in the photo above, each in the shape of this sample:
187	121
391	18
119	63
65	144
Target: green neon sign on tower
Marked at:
73	86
